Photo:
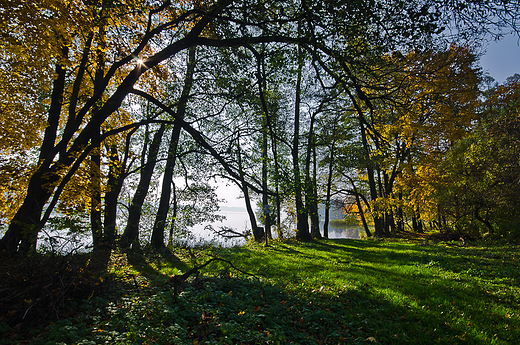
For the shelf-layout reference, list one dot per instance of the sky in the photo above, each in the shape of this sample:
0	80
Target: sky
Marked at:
502	58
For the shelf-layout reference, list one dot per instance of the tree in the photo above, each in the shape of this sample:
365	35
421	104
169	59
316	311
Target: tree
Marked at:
441	106
302	225
116	175
331	138
96	53
162	212
120	77
479	184
407	115
130	236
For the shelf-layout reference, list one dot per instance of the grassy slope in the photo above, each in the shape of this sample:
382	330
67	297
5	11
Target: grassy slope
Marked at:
331	291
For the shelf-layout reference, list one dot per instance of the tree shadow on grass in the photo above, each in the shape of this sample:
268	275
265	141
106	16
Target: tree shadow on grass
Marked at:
228	307
440	300
152	261
241	310
451	292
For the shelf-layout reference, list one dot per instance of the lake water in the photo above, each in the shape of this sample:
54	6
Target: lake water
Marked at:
347	232
236	218
239	220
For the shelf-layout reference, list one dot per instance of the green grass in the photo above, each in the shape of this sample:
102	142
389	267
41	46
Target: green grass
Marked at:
326	292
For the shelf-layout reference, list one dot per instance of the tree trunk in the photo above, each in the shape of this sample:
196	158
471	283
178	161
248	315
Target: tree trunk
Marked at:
164	203
114	185
326	219
328	193
258	234
483	220
174	215
95	194
302	224
378	220
53	118
23	229
391	221
313	200
308	188
400	217
265	194
116	177
362	216
277	187
265	139
131	234
26	223
157	239
95	156
22	234
417	222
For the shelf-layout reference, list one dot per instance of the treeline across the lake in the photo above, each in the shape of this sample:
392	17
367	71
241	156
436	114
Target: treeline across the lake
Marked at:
118	115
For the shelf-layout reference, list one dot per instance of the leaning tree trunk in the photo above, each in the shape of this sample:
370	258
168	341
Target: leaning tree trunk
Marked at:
157	239
362	216
24	227
360	207
164	203
378	220
116	177
258	233
22	234
131	234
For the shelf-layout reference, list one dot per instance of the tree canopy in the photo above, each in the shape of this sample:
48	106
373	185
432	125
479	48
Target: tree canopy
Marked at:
101	98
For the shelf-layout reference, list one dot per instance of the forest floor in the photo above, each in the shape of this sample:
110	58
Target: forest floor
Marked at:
405	291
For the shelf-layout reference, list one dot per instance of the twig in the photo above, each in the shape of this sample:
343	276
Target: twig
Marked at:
228	232
180	279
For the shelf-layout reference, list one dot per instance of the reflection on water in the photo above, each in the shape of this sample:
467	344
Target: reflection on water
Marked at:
344	232
349	232
238	219
240	222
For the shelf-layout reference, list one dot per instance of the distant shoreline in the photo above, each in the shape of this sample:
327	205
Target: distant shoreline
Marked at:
232	209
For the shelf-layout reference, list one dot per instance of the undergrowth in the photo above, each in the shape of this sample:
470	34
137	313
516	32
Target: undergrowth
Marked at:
323	292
